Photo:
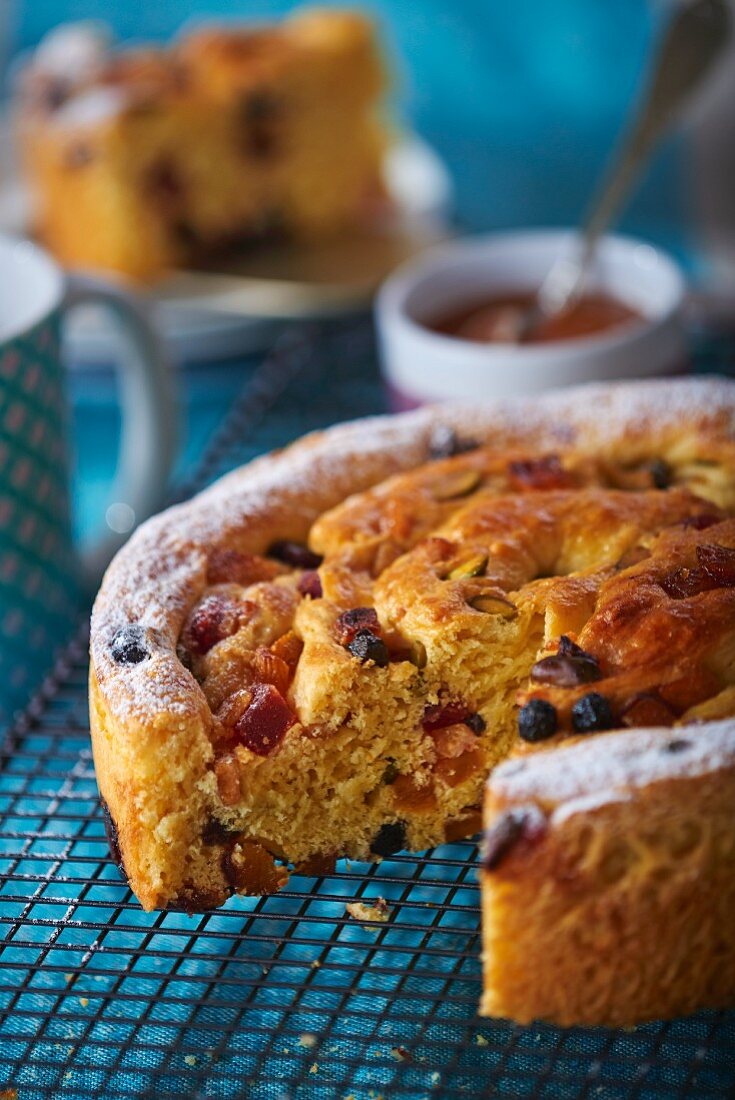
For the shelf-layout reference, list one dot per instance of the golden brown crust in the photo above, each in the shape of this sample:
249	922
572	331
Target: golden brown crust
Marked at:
167	764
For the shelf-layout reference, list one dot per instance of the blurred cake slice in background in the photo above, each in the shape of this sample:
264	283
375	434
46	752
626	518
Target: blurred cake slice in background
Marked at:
141	160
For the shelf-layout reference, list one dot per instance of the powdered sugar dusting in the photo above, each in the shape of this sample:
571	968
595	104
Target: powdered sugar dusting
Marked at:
161	572
609	766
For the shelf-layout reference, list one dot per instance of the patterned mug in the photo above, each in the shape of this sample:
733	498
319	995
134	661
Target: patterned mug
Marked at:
43	575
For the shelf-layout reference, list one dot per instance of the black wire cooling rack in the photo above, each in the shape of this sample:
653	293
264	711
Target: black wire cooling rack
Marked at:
288	996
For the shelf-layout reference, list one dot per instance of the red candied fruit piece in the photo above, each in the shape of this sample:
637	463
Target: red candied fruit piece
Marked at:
357	619
214	619
266	721
442	715
546	472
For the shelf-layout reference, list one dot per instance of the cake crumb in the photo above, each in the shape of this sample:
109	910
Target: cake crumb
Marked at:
68	978
307	1040
84	1001
378	911
482	1041
314	1068
401	1054
190	1059
315	964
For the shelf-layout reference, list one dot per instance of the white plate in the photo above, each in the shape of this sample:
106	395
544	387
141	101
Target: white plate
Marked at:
229	312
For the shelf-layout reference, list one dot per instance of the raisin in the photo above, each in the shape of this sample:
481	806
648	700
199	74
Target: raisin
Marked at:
294	553
163	182
214	832
368	647
679	744
310	584
717	563
389	839
568	667
546	472
715	569
592	713
351	622
684	582
215	618
526	823
445	443
390	774
537	720
701	522
660	473
260	114
265	722
128	647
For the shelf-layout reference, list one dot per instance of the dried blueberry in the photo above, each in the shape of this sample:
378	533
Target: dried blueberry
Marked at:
445	443
129	645
476	723
592	713
389	839
569	666
537	720
294	553
367	647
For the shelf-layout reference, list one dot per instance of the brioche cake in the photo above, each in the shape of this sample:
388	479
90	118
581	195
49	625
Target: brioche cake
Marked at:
143	159
327	652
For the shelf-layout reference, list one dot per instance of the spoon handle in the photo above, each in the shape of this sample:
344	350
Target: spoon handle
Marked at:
694	37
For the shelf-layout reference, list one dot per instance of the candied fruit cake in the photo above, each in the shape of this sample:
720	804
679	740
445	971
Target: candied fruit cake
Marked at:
327	652
144	159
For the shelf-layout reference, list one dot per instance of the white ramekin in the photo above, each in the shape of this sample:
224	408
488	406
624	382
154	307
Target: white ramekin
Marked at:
421	366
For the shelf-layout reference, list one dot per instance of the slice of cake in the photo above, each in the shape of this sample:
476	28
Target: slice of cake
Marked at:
144	159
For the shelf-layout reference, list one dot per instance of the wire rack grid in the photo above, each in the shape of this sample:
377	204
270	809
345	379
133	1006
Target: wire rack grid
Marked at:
289	996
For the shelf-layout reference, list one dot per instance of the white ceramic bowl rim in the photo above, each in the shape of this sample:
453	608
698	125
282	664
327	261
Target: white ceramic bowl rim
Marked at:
408	281
31	285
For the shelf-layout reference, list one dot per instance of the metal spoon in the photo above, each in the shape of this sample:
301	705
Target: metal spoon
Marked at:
693	40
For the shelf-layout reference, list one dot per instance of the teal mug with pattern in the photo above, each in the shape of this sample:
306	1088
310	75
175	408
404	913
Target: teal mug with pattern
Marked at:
43	575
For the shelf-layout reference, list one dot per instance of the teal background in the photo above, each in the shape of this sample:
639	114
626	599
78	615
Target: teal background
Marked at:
523	99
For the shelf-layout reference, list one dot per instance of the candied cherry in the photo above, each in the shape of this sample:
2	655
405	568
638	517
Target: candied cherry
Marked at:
266	721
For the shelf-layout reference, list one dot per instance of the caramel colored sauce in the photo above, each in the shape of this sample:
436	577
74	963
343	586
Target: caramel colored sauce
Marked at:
497	320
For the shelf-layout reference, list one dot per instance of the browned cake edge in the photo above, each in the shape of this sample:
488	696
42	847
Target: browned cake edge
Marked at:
161	573
608	879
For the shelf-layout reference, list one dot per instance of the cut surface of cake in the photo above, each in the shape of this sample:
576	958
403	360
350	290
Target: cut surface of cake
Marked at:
327	652
144	159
